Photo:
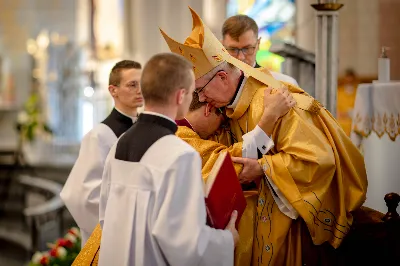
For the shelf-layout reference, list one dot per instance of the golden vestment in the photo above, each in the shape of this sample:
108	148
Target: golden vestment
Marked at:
313	164
89	255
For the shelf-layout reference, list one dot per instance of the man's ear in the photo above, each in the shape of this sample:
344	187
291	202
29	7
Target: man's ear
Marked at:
258	44
180	96
207	109
223	75
113	91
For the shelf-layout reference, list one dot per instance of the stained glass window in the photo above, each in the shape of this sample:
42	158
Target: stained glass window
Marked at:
276	22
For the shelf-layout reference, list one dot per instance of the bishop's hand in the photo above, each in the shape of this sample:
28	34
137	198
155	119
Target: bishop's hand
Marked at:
277	103
251	169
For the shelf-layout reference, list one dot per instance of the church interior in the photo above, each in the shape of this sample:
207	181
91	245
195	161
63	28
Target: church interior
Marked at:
55	58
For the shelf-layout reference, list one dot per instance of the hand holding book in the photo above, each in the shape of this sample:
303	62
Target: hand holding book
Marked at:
223	194
232	227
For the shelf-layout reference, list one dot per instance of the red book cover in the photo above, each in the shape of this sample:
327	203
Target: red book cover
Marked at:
223	193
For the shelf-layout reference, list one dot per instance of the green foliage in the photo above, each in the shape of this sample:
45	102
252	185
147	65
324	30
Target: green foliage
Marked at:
30	121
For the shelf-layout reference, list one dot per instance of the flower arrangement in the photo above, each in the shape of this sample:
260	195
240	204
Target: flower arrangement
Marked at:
62	252
29	121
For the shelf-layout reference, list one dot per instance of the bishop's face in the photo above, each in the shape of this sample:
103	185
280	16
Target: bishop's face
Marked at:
128	92
217	90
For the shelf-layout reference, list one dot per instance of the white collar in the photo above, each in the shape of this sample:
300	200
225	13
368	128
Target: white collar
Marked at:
158	114
134	118
235	102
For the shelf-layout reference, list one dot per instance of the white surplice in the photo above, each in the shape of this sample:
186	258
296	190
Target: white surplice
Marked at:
153	212
81	191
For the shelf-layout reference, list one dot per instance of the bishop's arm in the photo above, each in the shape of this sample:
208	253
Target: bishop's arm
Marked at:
302	158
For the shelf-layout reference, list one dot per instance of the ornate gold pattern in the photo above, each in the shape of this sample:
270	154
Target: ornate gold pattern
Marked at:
181	51
315	107
89	254
192	58
218	58
380	124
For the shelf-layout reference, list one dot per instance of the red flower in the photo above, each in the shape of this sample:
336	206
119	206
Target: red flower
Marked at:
44	260
64	243
53	252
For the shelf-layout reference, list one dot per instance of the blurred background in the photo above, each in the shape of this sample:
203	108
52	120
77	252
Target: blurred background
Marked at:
55	57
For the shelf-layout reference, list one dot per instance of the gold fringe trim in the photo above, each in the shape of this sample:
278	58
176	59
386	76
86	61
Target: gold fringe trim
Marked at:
381	125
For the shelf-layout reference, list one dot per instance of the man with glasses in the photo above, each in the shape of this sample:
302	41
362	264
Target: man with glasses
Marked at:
81	192
314	176
240	38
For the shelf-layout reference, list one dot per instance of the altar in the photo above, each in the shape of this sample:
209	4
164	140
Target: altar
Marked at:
376	130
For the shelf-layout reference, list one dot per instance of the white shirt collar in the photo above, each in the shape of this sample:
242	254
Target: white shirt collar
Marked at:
134	118
235	102
158	114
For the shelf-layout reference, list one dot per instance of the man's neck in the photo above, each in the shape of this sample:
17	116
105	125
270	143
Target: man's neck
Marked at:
128	111
193	121
163	110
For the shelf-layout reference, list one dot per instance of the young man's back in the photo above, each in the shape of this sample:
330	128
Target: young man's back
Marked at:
161	178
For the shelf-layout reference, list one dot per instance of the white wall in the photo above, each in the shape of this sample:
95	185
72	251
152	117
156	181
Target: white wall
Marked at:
359	36
358	33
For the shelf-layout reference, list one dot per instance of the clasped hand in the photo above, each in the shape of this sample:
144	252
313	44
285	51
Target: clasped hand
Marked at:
251	169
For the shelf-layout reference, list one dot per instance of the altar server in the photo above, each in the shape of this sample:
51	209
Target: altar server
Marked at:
81	192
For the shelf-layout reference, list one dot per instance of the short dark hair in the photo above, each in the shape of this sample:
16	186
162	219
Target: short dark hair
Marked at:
196	104
236	25
115	74
164	74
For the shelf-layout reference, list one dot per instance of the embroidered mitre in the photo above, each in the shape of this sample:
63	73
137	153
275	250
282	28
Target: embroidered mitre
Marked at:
206	52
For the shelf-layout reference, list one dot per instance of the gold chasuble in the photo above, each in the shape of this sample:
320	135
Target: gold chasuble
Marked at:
314	168
313	164
209	151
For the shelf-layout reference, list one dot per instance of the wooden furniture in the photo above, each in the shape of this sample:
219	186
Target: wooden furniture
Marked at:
374	239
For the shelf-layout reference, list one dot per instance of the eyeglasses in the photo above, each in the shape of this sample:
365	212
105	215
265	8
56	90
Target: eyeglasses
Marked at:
198	90
246	50
220	111
132	86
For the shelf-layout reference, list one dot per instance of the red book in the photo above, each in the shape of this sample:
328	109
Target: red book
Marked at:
223	193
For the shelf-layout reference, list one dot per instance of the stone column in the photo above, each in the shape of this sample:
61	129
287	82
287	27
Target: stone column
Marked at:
326	53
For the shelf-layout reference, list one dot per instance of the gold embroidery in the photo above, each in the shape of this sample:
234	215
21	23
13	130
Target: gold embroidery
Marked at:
90	251
217	58
181	51
388	123
315	107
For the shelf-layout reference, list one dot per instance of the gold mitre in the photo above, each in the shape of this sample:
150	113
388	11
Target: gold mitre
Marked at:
206	52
